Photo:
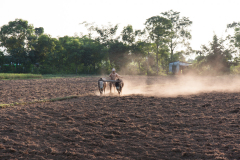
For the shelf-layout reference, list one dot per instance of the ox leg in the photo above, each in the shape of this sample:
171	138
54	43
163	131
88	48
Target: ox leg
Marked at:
110	84
114	87
103	88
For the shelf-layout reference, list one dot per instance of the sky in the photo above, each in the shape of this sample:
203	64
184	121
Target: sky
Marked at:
63	17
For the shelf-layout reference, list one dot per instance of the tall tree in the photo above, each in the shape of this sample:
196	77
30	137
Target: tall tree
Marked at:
73	49
14	36
128	34
2	58
45	46
235	39
118	54
180	33
39	31
136	48
216	55
139	53
106	34
159	29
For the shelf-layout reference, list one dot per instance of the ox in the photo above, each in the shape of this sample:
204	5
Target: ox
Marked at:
119	85
102	85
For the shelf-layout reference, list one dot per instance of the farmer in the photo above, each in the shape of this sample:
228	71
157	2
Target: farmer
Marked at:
113	76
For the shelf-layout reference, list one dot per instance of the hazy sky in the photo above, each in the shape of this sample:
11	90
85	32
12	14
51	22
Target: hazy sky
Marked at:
62	17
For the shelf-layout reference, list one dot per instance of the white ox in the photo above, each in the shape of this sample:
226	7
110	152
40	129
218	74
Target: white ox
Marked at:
102	85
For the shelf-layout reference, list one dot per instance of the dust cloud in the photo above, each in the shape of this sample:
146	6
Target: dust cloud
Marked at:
171	86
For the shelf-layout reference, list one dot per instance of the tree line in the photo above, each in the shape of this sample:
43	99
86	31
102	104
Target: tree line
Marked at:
146	52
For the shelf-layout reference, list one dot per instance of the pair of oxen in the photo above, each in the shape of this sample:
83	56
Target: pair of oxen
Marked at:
102	84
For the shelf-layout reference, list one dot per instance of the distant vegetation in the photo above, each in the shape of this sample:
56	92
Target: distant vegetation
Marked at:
19	76
145	52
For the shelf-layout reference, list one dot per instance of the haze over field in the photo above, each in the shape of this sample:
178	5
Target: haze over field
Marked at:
181	85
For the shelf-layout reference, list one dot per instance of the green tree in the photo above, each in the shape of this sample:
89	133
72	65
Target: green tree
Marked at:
159	29
45	46
54	56
139	53
179	56
2	59
39	31
164	58
216	56
93	54
74	52
128	35
118	54
235	39
106	37
149	49
180	33
136	48
14	37
106	34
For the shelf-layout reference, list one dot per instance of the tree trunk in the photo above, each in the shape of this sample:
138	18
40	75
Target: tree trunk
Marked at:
157	59
139	67
171	48
94	67
163	67
148	65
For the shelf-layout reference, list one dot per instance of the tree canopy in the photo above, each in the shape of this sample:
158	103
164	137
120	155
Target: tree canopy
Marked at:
159	29
180	33
146	51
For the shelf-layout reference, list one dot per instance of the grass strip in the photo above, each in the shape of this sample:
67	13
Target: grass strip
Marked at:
19	76
16	76
42	101
56	76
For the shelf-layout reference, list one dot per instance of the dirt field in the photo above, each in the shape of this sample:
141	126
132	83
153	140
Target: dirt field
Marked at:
154	118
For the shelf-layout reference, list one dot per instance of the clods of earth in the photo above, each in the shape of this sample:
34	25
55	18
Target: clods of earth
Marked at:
199	126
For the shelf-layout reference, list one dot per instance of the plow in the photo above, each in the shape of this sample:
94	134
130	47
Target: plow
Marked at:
102	83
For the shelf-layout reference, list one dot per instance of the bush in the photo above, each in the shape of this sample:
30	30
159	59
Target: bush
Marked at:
235	69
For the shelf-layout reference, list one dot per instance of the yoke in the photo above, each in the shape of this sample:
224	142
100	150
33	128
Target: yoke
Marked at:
110	80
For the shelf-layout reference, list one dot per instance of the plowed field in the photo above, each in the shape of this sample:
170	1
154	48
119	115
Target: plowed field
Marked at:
154	118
